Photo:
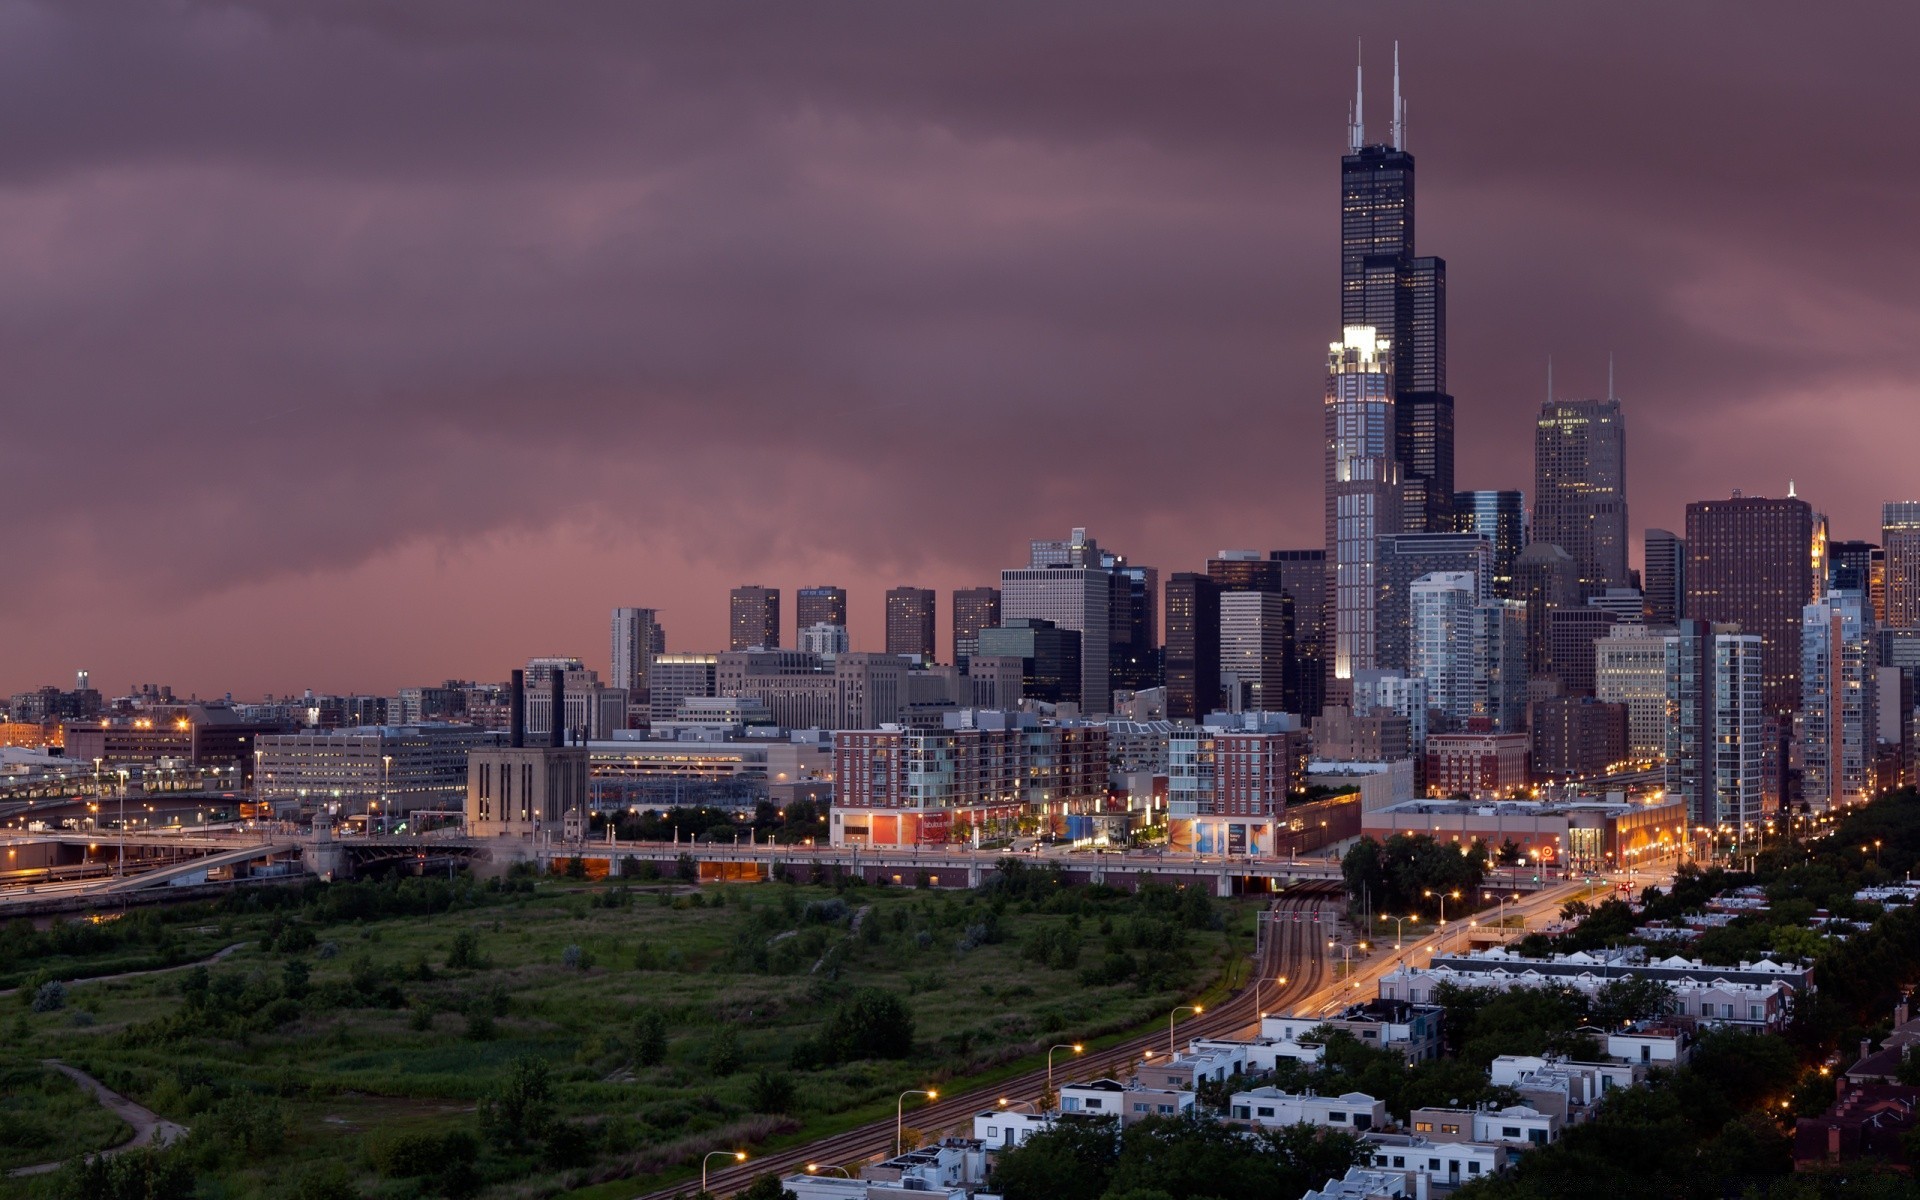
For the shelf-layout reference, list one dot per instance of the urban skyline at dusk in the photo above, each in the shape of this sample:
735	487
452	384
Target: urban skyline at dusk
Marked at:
526	324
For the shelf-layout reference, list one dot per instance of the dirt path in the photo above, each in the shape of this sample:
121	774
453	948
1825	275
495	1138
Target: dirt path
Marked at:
149	1128
208	961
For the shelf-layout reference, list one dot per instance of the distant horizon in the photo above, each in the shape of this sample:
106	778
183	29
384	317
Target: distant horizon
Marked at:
354	389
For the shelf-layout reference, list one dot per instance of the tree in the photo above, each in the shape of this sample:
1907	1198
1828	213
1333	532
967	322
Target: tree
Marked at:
520	1110
772	1092
767	1187
1070	1161
723	1052
870	1023
650	1038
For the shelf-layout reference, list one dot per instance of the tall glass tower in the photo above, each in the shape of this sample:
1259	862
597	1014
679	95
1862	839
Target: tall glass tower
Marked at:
1403	296
1363	493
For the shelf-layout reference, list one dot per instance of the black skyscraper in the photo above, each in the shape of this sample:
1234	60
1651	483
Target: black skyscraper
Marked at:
1404	297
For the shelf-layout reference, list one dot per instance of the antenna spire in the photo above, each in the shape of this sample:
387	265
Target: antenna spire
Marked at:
1549	379
1609	374
1356	120
1399	105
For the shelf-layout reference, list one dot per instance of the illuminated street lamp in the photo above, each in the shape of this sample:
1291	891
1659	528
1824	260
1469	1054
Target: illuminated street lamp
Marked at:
1076	1047
900	1115
735	1155
1192	1008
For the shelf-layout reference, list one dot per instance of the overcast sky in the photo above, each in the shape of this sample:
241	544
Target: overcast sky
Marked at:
357	345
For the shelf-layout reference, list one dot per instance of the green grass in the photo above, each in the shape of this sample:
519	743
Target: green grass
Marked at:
45	1117
341	1071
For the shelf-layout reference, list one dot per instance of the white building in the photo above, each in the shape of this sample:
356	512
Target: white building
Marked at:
1630	669
1443	646
1396	692
826	640
1271	1108
1363	495
952	1169
1517	1126
998	1128
1361	1184
1128	1101
1441	1165
637	637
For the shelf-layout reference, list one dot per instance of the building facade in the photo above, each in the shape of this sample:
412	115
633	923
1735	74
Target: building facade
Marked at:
1630	669
1900	548
1838	717
821	604
753	618
1750	563
974	609
910	622
1501	518
1362	497
1580	488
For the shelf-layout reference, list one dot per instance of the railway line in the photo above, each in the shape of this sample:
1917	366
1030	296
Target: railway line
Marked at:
1292	946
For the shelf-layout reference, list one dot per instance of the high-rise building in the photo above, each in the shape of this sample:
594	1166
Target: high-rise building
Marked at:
1256	644
1303	576
1363	480
1501	518
1580	488
910	622
1403	298
1838	719
1050	656
974	609
822	604
1500	664
1065	583
827	641
1405	557
1665	577
1442	605
1193	646
1576	737
1900	539
1630	669
637	637
1750	563
1133	657
1546	580
1572	633
753	618
677	677
1850	566
1715	725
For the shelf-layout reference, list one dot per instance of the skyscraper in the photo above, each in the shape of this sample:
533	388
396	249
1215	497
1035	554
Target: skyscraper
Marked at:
1384	285
1405	557
974	609
1580	488
1193	646
1134	659
1750	563
1065	583
910	622
1839	721
1303	576
1256	643
1715	727
1546	580
1665	577
1442	604
823	604
753	618
637	637
1900	539
1501	518
1363	484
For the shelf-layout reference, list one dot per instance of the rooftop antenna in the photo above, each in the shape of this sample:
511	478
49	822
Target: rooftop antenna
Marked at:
1609	374
1357	122
1549	379
1399	105
1790	492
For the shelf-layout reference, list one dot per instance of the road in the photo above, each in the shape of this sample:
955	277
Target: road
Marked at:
149	1127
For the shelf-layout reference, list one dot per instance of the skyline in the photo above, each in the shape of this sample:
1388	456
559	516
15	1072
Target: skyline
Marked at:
262	381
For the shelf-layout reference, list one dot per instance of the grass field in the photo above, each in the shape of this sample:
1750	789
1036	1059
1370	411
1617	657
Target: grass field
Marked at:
44	1117
355	1029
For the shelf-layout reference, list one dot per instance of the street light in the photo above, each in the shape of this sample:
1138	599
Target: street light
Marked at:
1076	1047
1442	897
1004	1102
816	1168
1257	981
900	1115
735	1155
1192	1008
1399	923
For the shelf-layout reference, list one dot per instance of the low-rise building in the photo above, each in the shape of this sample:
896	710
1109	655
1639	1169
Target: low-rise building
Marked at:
380	769
1586	833
1566	1089
1211	1061
1128	1101
1271	1108
1516	1126
1867	1120
1478	765
1651	1044
951	1169
1413	1030
1264	1054
1442	1166
999	1128
1361	1184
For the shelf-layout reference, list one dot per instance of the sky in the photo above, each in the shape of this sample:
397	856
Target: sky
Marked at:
351	345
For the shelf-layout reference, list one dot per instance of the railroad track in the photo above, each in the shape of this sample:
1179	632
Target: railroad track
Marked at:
1293	948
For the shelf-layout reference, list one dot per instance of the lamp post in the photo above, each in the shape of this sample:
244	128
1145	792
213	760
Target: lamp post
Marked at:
1399	924
900	1115
1192	1008
386	785
120	863
1346	948
1076	1047
816	1168
1257	981
735	1155
1442	897
1004	1103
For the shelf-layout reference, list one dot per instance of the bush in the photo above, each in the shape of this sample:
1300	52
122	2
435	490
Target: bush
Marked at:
723	1052
650	1038
870	1023
464	954
772	1092
520	1110
50	996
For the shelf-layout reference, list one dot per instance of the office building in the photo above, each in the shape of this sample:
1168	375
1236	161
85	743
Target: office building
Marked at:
1546	580
1303	576
637	637
212	737
1900	543
1839	721
1444	644
827	641
1715	728
822	604
1256	647
1362	486
678	677
910	622
1750	563
1571	635
374	770
529	785
1851	567
1500	664
1580	488
1664	577
1630	669
1377	736
1134	661
974	609
1395	692
1405	557
1478	765
1501	518
754	618
1050	657
1576	737
1385	286
1193	646
1064	583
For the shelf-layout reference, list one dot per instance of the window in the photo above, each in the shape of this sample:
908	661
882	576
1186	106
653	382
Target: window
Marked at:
1509	1131
1473	1168
1400	1160
1537	1136
1423	1126
1449	1129
1755	1013
1338	1118
1141	1106
1266	1112
1433	1164
1166	1110
1092	1103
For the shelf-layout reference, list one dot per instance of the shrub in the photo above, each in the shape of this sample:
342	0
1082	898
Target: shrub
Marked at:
50	996
650	1038
772	1092
464	954
723	1052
